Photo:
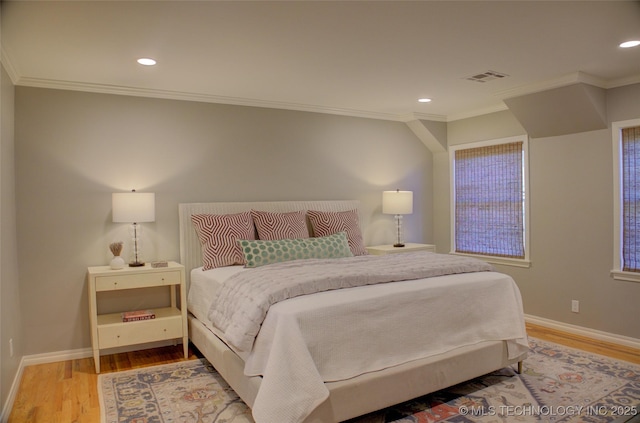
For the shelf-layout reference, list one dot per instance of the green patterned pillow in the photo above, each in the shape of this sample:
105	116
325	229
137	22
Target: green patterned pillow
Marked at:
260	252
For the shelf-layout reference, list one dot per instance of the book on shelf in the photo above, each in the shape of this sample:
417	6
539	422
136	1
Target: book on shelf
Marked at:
133	316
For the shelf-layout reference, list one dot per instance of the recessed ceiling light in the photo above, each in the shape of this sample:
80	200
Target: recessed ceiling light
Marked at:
628	44
146	61
424	100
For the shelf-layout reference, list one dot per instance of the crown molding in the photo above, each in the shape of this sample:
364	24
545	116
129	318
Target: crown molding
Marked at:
569	79
5	58
621	82
203	98
563	81
573	78
207	98
498	107
409	117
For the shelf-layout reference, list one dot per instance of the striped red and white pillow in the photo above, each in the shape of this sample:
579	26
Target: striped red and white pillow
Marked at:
219	235
328	223
273	226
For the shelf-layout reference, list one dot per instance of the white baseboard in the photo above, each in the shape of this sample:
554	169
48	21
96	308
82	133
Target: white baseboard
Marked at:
53	357
13	391
586	332
88	352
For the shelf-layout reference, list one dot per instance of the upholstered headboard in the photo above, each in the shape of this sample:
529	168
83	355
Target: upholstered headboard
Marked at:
190	251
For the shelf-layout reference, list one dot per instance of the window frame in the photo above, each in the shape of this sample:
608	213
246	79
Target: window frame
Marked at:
616	136
508	261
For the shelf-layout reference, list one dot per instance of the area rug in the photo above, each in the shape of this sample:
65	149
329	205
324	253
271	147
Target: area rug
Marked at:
183	392
559	384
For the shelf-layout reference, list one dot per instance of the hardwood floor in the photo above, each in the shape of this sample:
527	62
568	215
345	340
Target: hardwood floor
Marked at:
66	392
619	352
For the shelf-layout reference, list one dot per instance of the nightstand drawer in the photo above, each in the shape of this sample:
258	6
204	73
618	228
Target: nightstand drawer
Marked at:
143	280
140	332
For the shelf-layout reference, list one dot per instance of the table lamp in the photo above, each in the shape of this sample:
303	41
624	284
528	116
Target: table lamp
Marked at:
397	203
134	207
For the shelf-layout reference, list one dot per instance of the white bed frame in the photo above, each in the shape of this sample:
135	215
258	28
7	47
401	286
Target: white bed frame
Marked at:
349	398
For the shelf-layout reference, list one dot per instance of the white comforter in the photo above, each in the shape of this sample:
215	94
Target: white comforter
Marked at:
338	334
240	306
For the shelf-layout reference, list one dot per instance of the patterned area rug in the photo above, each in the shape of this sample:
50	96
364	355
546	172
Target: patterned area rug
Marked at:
188	391
559	384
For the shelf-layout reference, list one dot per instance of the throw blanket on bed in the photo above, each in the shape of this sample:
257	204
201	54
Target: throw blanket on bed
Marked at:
240	306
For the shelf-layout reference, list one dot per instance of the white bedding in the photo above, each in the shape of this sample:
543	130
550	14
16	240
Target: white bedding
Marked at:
241	304
356	330
202	288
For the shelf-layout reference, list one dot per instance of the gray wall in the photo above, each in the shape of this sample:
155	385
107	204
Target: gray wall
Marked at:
571	218
74	149
10	313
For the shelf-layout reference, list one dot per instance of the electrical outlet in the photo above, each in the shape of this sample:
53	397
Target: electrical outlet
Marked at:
11	347
575	306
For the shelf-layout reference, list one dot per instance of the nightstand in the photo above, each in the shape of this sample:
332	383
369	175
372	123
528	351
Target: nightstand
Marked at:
379	250
109	331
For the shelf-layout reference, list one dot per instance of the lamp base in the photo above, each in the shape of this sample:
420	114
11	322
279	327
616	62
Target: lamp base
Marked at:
398	245
136	264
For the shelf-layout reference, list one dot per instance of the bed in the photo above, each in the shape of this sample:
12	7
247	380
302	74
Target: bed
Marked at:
335	354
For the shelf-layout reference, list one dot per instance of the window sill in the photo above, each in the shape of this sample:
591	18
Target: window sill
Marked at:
501	260
625	276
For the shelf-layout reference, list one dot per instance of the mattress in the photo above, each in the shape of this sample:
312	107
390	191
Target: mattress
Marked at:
201	290
202	287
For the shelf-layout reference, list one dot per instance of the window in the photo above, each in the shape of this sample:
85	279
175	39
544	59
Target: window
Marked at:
626	149
489	202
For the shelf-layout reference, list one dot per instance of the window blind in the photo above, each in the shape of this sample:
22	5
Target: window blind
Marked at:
489	200
631	199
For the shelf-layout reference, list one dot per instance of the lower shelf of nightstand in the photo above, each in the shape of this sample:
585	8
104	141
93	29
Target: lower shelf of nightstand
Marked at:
113	332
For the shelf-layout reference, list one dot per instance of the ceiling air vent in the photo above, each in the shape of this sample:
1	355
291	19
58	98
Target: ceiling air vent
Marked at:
486	76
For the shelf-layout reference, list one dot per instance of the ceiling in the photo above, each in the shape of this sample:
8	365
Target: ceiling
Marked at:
358	58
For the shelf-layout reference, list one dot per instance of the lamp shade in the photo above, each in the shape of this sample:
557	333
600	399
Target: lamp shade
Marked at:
133	207
397	202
